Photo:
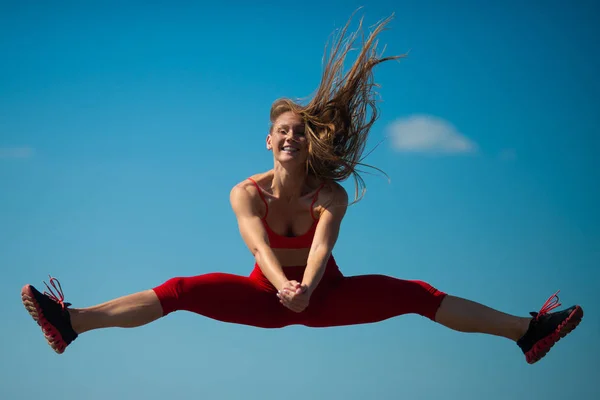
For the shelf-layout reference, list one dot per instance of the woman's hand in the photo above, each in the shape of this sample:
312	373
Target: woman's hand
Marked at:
294	296
292	286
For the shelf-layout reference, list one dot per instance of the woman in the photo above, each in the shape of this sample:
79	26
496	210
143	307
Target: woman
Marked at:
290	217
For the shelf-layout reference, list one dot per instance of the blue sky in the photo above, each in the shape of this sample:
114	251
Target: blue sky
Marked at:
123	128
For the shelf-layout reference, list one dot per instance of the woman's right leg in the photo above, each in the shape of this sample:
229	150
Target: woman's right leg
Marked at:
124	312
224	297
220	296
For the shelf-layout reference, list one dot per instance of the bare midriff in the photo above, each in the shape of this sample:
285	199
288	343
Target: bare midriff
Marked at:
291	257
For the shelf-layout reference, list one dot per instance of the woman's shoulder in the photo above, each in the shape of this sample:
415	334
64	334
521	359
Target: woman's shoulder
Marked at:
332	188
332	192
247	193
253	184
253	180
253	187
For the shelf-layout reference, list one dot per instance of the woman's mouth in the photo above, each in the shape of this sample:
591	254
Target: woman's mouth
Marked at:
289	149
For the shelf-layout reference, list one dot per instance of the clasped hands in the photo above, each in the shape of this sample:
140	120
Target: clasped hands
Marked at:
294	296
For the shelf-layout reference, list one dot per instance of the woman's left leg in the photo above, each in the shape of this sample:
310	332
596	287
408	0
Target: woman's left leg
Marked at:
468	316
372	298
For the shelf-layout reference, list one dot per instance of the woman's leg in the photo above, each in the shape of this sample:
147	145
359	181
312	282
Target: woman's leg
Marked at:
373	298
370	298
468	316
224	297
124	312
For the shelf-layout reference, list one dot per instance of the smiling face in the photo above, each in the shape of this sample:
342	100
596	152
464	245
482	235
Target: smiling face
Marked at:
287	139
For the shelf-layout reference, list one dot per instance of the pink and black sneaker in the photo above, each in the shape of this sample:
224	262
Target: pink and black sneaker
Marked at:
545	329
51	313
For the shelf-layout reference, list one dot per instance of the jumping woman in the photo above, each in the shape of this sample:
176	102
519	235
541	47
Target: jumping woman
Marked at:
290	217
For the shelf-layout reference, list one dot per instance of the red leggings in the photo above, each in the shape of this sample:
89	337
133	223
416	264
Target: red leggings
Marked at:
337	300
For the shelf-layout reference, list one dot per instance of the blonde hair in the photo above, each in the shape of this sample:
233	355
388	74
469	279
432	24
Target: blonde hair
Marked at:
337	117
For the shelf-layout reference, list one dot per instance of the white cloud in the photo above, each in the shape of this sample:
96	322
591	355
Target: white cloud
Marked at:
428	134
15	152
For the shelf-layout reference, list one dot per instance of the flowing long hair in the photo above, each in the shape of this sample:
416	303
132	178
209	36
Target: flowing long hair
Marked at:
342	110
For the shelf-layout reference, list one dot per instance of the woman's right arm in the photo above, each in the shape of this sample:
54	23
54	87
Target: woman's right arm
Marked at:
255	236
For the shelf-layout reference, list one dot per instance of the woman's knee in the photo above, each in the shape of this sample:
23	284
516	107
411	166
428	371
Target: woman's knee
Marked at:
169	293
427	299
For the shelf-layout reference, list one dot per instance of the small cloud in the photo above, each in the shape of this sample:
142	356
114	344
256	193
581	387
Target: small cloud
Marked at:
428	134
507	154
15	152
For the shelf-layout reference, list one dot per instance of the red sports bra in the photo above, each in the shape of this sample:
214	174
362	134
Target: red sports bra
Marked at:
278	241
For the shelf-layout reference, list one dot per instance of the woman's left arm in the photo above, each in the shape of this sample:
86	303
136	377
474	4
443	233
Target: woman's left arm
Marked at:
326	236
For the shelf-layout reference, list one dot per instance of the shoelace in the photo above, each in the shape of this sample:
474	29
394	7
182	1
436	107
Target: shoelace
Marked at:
549	305
58	297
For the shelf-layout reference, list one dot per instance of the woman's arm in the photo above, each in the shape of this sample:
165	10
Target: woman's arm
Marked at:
253	232
326	235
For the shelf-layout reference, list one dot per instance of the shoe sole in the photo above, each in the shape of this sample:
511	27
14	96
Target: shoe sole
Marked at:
52	335
543	346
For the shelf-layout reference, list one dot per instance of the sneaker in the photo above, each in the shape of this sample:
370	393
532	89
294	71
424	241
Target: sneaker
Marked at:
545	329
51	313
